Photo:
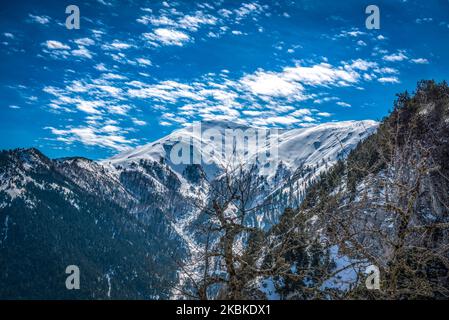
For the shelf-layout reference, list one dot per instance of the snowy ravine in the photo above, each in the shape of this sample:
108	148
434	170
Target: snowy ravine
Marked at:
142	201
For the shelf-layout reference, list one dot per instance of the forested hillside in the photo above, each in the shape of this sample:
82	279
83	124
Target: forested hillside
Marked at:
386	205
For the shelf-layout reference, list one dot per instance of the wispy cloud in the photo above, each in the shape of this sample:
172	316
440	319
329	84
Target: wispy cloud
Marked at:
395	57
82	52
343	104
167	37
8	35
84	42
55	45
39	19
388	80
117	45
420	61
107	137
272	84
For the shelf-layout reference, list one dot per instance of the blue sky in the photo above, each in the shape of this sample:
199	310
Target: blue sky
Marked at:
137	70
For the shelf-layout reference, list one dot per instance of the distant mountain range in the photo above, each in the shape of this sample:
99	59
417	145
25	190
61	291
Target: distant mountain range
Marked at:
127	221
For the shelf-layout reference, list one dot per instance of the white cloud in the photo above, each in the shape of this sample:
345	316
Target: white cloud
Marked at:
388	80
85	42
97	34
52	90
395	57
39	19
77	86
91	136
253	113
157	21
177	21
308	119
55	45
138	122
194	22
301	112
82	52
361	64
228	99
420	61
423	20
89	106
354	33
325	99
322	74
167	37
119	109
144	62
113	76
101	67
110	128
114	91
8	35
387	70
247	9
116	45
103	2
271	84
268	97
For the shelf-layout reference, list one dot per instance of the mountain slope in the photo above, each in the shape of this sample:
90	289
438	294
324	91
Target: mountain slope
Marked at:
386	205
129	222
295	147
60	213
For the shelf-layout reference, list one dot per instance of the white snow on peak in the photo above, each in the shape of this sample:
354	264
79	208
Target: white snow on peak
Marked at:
326	141
296	147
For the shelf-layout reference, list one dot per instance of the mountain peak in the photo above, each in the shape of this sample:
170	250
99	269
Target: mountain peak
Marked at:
295	146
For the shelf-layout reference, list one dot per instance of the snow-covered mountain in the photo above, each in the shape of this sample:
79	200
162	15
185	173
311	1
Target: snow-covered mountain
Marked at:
295	147
301	155
143	200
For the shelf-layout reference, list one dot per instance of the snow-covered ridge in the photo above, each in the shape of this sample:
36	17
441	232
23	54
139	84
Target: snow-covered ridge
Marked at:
316	147
295	147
